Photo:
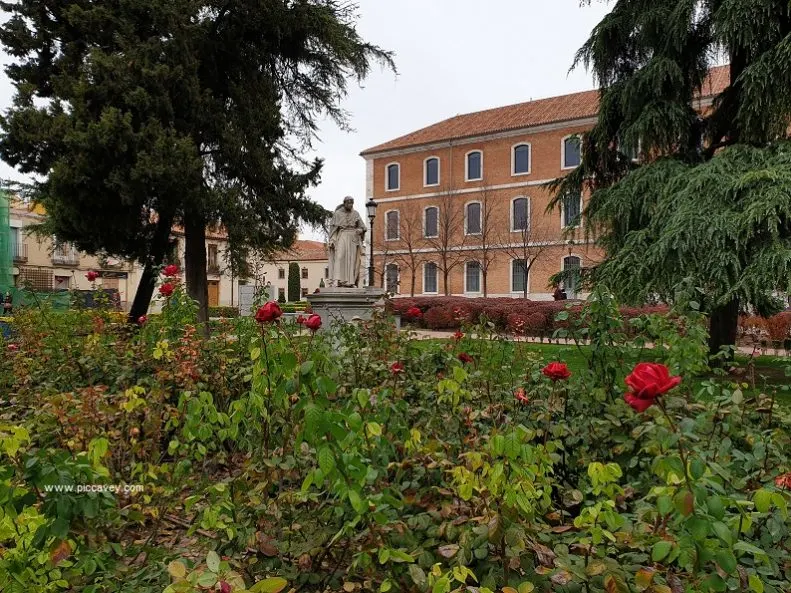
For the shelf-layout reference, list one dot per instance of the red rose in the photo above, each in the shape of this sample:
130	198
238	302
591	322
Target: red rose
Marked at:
171	270
458	336
557	371
465	358
225	587
414	313
268	313
521	396
300	319
397	367
142	320
91	276
783	481
313	322
647	382
166	289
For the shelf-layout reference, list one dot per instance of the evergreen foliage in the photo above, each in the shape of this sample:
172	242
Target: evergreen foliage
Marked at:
710	196
294	288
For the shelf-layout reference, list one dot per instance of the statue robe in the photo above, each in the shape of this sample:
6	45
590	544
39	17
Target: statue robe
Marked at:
346	233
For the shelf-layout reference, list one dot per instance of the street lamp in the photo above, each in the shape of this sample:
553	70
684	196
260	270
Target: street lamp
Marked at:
370	208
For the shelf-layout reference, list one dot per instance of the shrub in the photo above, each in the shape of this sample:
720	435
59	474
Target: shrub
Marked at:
227	312
778	327
294	287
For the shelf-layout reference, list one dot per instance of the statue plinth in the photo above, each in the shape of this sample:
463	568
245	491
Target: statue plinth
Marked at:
344	305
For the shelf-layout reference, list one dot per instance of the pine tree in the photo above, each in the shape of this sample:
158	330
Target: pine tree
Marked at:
711	197
143	114
294	287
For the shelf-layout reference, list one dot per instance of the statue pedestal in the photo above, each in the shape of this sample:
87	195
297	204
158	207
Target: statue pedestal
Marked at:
343	305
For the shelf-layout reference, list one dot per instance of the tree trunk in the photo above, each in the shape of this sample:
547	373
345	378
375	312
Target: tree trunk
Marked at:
723	327
484	274
195	263
412	283
445	275
148	279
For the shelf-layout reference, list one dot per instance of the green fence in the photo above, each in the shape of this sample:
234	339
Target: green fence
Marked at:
6	257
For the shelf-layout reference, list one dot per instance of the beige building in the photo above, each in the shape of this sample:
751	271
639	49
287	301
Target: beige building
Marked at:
45	265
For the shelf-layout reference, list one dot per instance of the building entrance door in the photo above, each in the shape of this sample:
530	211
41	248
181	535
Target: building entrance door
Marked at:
214	293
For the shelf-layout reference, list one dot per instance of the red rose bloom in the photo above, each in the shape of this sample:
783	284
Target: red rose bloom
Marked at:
142	320
783	481
313	322
300	319
458	336
91	276
521	396
397	367
166	289
557	371
171	270
647	382
268	313
465	358
414	313
225	587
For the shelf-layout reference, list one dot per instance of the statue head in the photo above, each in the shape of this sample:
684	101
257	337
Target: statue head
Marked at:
348	203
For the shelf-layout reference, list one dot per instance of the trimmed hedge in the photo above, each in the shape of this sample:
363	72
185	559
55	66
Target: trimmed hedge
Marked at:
775	329
519	316
223	312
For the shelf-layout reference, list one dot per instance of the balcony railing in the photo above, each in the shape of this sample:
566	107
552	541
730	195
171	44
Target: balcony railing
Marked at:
213	268
66	259
19	252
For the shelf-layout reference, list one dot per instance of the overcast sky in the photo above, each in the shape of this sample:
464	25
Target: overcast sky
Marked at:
452	56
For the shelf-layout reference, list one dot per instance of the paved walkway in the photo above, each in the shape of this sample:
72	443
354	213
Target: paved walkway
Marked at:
428	334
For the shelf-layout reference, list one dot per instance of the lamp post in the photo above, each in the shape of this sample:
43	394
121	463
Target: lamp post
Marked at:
370	208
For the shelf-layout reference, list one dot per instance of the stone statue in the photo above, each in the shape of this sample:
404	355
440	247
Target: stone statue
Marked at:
347	231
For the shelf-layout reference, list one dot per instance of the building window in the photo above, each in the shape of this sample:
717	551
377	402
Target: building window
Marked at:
281	294
472	277
572	207
572	265
62	282
519	276
326	271
304	273
472	222
391	278
520	214
304	292
431	171
392	226
521	159
572	153
474	165
430	278
431	222
393	177
281	274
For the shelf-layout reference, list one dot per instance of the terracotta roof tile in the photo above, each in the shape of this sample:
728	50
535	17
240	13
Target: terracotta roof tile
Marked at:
523	115
304	251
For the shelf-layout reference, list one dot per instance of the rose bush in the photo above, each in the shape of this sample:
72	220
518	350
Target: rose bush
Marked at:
355	459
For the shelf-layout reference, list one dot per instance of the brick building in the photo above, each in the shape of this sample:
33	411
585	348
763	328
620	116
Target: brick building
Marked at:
463	203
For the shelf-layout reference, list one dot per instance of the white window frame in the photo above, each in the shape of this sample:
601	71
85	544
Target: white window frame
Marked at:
467	165
511	277
563	165
425	171
529	214
563	266
423	283
563	215
529	159
398	276
398	226
480	277
480	220
425	236
387	176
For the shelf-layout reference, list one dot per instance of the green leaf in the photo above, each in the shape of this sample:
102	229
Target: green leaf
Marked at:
326	460
417	575
660	550
306	367
357	502
756	584
699	528
741	546
270	585
763	501
664	505
441	586
715	506
207	579
697	468
727	561
213	561
723	532
255	353
399	556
